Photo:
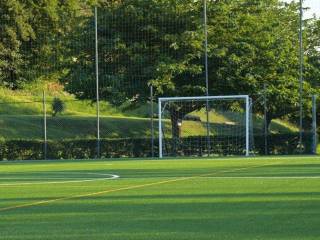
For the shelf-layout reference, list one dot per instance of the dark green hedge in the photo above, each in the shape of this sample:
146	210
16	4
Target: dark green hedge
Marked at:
284	144
21	150
74	149
278	144
139	148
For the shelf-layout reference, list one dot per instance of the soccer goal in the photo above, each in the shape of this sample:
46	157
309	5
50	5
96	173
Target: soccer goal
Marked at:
204	126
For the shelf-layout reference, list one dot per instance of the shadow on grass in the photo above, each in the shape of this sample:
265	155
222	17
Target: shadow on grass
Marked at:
178	215
296	170
217	198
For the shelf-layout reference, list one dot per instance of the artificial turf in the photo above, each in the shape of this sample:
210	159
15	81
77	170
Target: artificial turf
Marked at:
248	198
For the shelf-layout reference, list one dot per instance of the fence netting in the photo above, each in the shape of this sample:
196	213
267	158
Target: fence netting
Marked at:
78	96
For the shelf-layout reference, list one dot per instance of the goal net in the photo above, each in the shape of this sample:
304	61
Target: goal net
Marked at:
204	126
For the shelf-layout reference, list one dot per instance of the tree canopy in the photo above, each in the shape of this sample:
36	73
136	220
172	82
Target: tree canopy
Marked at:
253	49
252	44
32	35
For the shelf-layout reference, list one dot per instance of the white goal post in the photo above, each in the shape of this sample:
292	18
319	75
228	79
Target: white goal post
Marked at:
198	114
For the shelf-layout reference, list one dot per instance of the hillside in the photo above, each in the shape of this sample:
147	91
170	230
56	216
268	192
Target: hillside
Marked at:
21	117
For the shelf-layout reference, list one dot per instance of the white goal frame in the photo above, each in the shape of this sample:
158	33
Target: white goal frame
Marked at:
247	115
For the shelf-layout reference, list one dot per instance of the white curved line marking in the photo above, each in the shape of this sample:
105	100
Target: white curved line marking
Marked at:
110	177
44	178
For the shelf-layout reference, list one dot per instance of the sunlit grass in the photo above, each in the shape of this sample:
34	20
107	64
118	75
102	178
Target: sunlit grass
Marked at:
22	118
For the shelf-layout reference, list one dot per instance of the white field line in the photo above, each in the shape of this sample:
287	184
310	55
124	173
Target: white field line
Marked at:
272	158
243	177
106	177
266	177
44	178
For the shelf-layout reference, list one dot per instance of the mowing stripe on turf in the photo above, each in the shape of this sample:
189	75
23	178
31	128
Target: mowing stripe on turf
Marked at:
126	188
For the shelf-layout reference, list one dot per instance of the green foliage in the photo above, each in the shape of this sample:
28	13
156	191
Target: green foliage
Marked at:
312	33
251	44
14	29
164	49
32	37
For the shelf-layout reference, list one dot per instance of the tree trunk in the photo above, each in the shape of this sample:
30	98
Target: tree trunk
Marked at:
266	131
269	120
175	128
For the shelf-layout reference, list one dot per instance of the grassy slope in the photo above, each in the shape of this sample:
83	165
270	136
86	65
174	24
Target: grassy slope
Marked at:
21	117
170	207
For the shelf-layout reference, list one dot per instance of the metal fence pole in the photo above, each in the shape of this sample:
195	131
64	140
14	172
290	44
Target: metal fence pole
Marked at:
97	80
265	120
206	73
160	127
44	125
247	126
152	121
251	128
314	124
301	76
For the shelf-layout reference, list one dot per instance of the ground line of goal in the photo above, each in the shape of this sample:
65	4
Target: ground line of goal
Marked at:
125	188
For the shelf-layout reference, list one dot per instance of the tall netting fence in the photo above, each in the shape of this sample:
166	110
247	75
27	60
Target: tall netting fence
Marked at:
127	59
87	85
281	135
254	50
141	45
70	129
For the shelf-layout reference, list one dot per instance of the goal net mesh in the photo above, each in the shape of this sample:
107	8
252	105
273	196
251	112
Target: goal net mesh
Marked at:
204	127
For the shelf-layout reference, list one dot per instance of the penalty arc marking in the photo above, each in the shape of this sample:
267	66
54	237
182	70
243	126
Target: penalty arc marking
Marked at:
104	177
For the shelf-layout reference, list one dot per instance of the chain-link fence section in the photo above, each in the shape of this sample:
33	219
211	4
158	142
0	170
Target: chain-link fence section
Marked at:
281	134
58	128
22	130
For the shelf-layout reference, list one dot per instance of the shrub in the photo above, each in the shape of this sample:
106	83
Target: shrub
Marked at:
141	147
194	118
58	106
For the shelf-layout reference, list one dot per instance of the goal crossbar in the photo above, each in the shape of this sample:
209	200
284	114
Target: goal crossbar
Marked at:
247	115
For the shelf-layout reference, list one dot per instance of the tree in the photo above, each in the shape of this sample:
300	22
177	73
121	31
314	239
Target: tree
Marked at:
251	43
164	47
312	73
14	29
158	42
256	45
312	51
32	37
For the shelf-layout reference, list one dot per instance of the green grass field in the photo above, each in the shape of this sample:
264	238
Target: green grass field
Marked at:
237	198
